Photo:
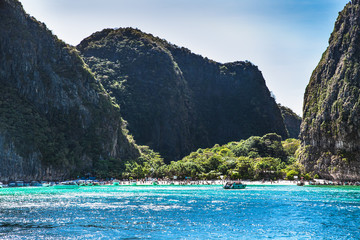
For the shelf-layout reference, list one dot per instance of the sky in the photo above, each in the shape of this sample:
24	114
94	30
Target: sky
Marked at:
284	38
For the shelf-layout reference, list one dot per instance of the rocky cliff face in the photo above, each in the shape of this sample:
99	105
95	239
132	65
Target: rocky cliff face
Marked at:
292	121
176	101
330	131
55	118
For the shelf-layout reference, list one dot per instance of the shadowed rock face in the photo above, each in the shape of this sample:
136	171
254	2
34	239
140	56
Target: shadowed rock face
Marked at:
176	101
330	132
292	121
55	118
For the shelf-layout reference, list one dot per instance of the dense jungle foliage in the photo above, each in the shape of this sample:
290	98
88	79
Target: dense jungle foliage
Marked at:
255	158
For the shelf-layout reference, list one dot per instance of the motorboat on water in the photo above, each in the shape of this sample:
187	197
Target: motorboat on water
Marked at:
85	183
234	185
301	183
35	184
67	185
19	183
89	183
81	182
11	184
16	184
45	184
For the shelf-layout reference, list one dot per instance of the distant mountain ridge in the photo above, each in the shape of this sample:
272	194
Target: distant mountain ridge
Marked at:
176	101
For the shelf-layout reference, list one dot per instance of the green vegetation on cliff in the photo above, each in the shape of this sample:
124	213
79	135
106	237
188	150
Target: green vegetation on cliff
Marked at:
264	157
56	119
330	133
175	101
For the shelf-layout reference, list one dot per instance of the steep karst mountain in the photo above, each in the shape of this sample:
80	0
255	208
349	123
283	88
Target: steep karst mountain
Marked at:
176	101
292	121
55	118
330	131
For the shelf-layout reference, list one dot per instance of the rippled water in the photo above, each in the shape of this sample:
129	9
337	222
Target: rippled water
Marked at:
180	212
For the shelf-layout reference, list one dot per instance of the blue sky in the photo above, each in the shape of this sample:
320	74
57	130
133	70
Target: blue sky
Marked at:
284	38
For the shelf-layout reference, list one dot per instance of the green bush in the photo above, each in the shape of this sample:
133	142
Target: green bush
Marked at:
307	177
253	158
290	175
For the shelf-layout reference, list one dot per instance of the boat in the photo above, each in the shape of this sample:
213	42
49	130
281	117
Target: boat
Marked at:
300	183
116	183
67	185
89	183
155	183
12	184
81	182
19	183
234	185
35	184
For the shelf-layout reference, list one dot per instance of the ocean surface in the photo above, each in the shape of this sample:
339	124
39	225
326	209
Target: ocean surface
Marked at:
180	212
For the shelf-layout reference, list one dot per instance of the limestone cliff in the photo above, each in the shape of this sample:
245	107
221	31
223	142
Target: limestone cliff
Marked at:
292	121
176	101
55	118
330	132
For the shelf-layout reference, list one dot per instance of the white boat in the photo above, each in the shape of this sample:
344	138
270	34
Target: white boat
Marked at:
85	182
67	185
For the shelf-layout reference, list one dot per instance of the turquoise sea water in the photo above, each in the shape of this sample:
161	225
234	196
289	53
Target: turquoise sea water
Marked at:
180	212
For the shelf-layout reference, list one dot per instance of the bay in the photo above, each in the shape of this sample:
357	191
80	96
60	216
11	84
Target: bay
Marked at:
180	212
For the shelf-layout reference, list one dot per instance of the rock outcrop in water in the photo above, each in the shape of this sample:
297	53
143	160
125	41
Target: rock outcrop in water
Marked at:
330	131
176	101
55	118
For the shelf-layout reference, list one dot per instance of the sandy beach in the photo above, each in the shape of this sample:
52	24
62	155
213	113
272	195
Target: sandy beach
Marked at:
207	182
